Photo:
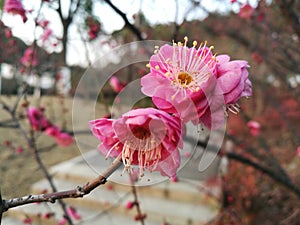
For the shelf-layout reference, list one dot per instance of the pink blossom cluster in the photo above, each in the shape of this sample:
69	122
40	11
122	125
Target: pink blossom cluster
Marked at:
185	84
39	122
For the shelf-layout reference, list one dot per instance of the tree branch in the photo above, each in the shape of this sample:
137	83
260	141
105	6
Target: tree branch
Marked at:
75	193
283	179
133	28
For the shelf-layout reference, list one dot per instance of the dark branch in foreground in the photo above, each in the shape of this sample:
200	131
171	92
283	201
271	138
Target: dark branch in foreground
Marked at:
74	193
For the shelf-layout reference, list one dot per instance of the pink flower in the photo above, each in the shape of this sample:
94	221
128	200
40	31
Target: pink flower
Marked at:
15	7
29	58
37	119
64	139
254	128
115	84
147	137
73	213
232	77
298	151
246	11
182	80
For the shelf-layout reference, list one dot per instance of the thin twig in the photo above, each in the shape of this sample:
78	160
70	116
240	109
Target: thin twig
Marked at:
140	215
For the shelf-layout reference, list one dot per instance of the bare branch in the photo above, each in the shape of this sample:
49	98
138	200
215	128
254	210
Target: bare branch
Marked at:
133	28
75	193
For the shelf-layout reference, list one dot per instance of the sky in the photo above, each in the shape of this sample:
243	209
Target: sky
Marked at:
156	11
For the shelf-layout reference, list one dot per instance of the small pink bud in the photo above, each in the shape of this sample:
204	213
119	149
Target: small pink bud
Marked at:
7	143
140	217
48	215
254	128
19	150
27	220
129	205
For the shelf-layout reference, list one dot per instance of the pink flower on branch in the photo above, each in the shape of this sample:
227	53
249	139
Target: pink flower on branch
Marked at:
37	119
194	83
15	7
232	76
148	138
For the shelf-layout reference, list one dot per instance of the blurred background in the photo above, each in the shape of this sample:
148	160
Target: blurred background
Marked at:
51	43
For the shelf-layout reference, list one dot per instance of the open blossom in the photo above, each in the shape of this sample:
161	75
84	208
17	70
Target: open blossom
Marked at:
147	138
194	83
37	119
15	7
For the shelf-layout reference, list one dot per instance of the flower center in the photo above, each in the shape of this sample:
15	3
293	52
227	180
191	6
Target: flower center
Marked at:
140	132
184	78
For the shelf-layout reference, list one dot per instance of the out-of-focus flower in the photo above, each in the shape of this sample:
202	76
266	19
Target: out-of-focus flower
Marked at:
37	119
27	220
73	213
257	57
43	23
29	58
15	7
298	151
246	11
62	221
147	137
254	128
8	33
19	150
64	139
47	33
52	131
93	27
7	143
116	84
